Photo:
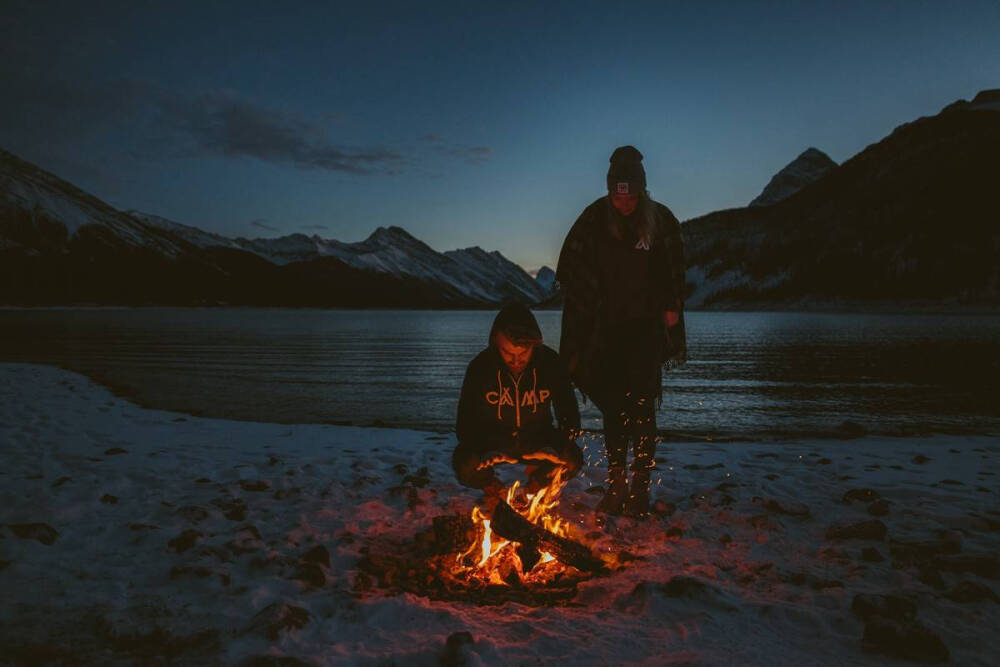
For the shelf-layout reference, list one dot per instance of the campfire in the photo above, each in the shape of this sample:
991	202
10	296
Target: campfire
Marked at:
524	543
521	551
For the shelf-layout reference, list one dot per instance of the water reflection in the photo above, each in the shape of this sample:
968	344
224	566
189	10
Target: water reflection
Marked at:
750	374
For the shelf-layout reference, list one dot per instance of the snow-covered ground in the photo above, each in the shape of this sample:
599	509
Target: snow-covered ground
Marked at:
134	536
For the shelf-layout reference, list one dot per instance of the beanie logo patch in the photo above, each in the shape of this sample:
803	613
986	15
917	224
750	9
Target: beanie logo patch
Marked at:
643	244
621	188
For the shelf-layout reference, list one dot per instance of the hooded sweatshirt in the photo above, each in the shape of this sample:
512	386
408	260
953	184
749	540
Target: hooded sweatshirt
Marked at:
495	404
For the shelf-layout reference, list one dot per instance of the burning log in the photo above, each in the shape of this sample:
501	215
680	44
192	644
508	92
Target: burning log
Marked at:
510	525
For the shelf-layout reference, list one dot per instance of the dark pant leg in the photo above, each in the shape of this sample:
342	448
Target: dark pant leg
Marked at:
641	413
615	428
572	454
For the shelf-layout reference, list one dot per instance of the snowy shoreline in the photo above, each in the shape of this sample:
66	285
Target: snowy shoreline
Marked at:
131	534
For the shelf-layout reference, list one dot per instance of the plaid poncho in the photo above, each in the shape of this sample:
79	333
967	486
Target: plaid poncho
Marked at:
584	294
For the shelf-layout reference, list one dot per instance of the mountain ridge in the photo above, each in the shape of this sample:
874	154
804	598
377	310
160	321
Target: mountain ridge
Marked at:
60	245
911	219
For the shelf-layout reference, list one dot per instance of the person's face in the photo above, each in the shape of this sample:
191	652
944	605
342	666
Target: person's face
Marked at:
624	203
515	356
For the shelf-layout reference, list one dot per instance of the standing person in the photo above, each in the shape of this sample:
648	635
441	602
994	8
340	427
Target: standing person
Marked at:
621	272
510	391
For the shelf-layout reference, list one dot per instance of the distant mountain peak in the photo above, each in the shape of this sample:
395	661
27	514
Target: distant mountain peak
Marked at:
546	278
392	232
985	100
811	165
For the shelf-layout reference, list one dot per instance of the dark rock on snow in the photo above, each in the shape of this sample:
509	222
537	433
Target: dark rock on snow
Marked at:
871	529
786	506
871	555
891	628
311	574
276	618
457	649
193	513
931	577
864	495
896	607
908	640
269	660
683	587
984	565
907	553
42	532
234	509
879	508
970	591
318	554
199	571
185	540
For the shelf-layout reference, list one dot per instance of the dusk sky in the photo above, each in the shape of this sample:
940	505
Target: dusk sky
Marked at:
466	126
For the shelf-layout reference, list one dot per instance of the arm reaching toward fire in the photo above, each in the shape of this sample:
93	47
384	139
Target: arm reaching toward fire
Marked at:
493	458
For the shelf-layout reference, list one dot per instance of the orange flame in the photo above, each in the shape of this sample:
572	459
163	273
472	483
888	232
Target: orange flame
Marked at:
496	554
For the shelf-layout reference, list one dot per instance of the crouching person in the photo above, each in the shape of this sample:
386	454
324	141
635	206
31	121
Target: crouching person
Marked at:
505	411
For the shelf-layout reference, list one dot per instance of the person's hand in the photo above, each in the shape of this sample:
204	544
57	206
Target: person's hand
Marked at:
671	317
493	458
545	454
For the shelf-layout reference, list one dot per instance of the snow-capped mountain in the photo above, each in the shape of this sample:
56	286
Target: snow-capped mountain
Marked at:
811	165
501	274
61	245
40	208
481	276
546	279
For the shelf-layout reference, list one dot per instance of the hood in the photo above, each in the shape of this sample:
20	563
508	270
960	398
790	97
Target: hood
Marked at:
517	320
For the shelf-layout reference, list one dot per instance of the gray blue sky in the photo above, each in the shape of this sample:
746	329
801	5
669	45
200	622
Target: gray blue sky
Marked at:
465	123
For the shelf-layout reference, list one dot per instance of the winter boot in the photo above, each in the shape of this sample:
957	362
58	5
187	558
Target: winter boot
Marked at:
614	498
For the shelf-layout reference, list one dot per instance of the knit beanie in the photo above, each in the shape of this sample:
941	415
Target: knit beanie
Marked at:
626	175
518	323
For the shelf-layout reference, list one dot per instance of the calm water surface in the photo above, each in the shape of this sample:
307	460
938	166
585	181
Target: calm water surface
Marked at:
750	375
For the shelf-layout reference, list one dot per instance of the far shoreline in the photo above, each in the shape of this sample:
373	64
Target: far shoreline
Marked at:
833	308
847	431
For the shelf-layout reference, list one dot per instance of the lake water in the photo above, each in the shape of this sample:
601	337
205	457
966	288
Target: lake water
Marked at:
750	375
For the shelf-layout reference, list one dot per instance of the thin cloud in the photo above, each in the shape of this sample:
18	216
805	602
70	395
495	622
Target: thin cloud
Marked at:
164	123
470	154
221	123
260	224
315	227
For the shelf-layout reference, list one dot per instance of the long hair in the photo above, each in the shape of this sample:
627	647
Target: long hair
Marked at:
643	220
